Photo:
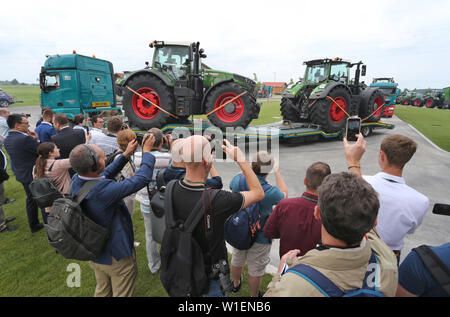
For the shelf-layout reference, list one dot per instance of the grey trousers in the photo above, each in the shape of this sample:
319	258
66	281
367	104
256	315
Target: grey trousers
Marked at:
153	257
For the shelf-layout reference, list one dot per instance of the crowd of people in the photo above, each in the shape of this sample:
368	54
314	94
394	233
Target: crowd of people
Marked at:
345	231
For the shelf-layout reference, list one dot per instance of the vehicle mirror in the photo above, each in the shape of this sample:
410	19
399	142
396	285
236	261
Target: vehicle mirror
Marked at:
363	70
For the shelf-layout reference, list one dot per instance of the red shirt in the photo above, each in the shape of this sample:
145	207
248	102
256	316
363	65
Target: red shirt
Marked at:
292	221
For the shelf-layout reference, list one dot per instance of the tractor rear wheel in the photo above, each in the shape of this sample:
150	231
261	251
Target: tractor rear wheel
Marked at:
430	103
417	102
330	114
237	113
140	112
288	110
374	107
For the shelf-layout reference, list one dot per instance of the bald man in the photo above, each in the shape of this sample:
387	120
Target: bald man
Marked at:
116	267
196	155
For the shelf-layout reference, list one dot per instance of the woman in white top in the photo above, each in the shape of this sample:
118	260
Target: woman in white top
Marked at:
78	123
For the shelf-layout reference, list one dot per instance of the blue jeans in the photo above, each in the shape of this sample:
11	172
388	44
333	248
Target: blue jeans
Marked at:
214	289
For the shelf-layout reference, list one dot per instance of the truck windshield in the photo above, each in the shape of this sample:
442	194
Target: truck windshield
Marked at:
387	90
174	58
49	81
315	73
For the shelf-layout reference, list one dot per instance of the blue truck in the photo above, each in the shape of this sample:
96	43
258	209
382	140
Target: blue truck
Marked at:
391	91
74	84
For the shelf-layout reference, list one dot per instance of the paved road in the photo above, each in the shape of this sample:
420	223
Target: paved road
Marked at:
428	172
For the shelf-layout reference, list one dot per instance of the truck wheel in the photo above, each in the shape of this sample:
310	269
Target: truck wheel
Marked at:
366	131
142	113
376	101
430	103
238	113
288	111
328	114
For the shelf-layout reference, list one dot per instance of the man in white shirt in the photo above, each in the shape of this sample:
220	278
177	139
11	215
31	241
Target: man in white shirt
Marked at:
402	208
108	142
97	128
4	129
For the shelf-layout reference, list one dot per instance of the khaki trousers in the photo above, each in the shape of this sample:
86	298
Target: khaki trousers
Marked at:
117	279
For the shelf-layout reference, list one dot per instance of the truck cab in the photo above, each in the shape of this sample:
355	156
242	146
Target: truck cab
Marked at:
391	91
74	84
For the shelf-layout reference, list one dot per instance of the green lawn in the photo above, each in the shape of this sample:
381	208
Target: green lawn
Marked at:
30	95
31	268
433	123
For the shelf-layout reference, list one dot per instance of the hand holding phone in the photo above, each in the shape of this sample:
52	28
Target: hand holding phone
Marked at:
353	128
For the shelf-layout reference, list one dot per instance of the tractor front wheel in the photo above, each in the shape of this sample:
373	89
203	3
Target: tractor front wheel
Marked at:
140	112
430	103
237	113
330	112
289	111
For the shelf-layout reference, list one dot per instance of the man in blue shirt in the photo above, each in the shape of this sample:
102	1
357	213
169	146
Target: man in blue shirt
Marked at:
414	279
45	130
258	256
116	268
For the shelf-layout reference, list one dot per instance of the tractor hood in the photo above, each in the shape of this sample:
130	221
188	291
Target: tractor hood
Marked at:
213	76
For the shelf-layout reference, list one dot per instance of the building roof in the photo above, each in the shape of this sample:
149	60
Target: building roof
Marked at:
275	84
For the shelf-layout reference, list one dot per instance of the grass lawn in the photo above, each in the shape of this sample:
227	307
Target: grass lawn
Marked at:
30	95
433	123
31	268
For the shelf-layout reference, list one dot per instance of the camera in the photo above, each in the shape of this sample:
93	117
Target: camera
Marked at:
353	128
221	271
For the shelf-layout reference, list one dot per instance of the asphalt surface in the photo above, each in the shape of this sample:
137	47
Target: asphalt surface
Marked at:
428	172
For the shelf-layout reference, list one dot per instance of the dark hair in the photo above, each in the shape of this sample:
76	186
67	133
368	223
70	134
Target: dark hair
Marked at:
79	118
14	119
61	119
114	124
157	133
348	206
43	151
44	109
315	174
399	149
262	163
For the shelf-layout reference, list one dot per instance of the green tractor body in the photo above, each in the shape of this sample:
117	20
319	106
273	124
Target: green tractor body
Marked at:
433	98
179	83
446	102
327	96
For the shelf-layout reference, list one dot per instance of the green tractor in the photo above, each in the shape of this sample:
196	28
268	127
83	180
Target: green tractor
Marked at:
433	98
416	99
408	98
326	95
402	96
446	103
177	85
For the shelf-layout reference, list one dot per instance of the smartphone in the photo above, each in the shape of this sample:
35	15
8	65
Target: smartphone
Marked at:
353	128
441	209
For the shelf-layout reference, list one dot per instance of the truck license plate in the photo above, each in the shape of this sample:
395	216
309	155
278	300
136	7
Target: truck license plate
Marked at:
101	104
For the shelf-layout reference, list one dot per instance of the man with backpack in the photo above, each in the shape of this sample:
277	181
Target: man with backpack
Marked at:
181	272
258	255
116	267
351	260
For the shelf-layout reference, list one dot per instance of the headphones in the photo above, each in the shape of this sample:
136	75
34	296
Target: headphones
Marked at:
94	162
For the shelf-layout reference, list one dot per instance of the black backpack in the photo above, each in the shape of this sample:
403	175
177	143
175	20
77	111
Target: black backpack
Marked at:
183	269
71	232
43	190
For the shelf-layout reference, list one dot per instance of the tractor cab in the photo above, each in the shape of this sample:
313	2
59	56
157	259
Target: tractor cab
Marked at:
320	70
173	59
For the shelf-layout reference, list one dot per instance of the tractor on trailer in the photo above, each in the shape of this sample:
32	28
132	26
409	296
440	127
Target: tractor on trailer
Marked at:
326	96
177	85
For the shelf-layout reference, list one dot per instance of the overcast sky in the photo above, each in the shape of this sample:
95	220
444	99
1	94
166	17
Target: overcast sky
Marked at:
407	40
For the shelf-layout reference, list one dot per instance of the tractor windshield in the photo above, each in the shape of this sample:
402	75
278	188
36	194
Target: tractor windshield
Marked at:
174	59
315	73
339	72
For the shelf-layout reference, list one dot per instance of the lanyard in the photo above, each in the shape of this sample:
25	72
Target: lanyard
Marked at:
310	199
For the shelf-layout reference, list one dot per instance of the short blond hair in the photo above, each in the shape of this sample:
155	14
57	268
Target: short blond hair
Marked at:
124	137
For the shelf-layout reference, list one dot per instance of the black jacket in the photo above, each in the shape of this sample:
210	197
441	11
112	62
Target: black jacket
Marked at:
67	139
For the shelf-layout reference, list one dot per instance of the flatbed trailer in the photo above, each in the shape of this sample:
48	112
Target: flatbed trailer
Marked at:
286	132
